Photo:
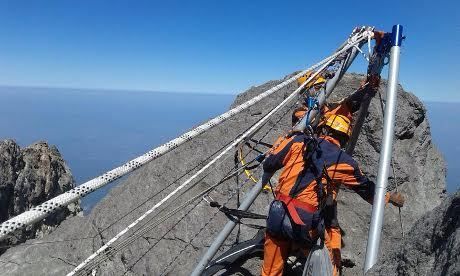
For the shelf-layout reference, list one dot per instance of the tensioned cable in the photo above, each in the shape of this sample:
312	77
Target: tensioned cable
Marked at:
143	228
41	211
127	213
394	172
236	142
258	142
172	228
149	226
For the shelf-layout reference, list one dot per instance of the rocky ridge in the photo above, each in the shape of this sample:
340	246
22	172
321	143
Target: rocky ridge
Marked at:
432	246
419	174
28	177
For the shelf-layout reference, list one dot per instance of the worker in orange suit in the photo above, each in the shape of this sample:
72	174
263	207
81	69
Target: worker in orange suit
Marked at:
313	169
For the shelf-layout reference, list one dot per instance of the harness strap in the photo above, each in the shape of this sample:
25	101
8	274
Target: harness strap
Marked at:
292	204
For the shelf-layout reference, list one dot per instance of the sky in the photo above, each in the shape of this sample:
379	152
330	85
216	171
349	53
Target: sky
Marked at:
215	46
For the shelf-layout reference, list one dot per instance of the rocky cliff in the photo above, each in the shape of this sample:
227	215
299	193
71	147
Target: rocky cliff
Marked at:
432	246
176	245
28	177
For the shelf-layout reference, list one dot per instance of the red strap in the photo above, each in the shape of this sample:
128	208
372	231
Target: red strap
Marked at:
292	203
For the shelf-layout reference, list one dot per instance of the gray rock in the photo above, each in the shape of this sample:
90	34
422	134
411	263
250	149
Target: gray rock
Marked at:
181	241
29	177
432	246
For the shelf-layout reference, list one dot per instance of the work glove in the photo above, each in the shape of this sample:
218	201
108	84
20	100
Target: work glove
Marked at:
397	199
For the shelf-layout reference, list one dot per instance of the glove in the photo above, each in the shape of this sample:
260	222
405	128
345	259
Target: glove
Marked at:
397	199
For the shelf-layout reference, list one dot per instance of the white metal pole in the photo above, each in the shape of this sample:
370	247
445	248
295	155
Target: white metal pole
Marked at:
385	153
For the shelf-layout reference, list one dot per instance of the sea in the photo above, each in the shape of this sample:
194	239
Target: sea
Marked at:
98	130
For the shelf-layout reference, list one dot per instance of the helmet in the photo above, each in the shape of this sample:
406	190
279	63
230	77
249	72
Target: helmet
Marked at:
303	78
338	123
319	80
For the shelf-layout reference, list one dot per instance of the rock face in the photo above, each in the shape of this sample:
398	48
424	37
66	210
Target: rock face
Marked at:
177	244
29	177
432	246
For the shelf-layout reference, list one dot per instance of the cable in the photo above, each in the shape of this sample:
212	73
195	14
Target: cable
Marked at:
127	213
41	211
357	38
145	227
394	173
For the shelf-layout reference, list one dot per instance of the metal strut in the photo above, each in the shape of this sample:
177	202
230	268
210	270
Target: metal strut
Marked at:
254	192
375	230
41	211
358	38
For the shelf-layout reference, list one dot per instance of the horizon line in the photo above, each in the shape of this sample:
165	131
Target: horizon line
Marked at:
429	100
116	89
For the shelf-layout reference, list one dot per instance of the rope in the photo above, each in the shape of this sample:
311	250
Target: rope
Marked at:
147	226
150	225
127	213
394	174
41	211
354	40
196	235
135	235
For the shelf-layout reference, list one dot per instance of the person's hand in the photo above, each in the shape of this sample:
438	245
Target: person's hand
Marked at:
397	199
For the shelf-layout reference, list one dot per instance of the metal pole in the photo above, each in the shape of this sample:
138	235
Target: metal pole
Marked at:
220	239
330	86
386	151
254	192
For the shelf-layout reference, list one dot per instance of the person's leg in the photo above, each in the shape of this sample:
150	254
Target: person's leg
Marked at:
333	243
275	254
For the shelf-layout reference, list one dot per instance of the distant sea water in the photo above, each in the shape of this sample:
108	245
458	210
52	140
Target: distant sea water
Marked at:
445	130
98	130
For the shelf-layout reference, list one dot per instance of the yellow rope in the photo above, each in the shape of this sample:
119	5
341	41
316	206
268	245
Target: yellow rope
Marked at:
248	173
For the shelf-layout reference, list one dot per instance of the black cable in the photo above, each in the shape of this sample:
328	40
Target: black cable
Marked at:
394	172
221	181
148	222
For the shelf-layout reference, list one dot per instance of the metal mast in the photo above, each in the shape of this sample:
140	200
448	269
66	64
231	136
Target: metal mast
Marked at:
375	230
254	192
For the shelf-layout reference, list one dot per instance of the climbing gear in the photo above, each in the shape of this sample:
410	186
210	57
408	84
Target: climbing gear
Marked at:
236	215
318	262
238	252
298	114
338	123
292	219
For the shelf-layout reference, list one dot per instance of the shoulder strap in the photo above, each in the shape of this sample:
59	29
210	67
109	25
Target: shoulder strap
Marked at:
308	165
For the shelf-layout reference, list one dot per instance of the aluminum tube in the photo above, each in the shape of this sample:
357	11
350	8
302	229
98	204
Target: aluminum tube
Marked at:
41	211
358	123
220	239
249	132
375	230
330	86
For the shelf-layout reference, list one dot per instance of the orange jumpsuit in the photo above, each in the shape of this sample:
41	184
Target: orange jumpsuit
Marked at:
287	154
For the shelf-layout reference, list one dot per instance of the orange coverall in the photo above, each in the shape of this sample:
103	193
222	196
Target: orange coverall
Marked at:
288	154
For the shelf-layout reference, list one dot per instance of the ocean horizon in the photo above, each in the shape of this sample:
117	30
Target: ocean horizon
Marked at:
98	129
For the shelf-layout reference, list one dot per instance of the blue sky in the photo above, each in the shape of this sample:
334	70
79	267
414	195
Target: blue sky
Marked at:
214	46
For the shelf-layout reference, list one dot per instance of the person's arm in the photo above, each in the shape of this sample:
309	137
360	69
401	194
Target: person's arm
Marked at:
277	155
351	176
